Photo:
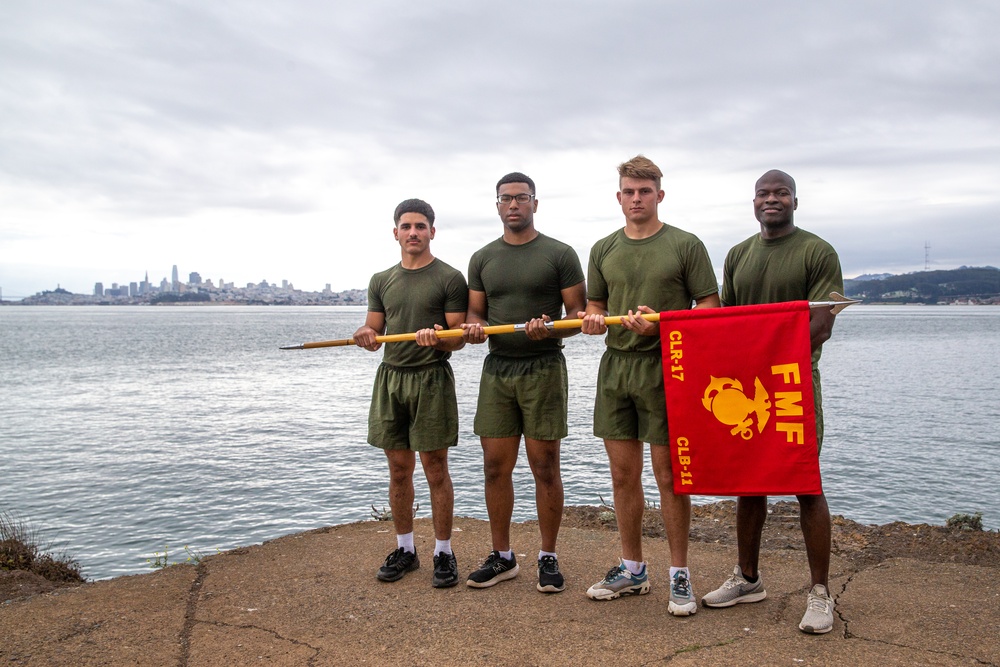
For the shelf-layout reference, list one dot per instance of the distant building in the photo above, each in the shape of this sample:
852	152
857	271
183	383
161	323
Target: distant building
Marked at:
194	278
98	289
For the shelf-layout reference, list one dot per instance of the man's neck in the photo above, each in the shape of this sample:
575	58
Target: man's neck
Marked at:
416	261
769	233
642	230
521	236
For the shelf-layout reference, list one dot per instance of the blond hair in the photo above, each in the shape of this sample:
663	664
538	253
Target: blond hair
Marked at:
640	167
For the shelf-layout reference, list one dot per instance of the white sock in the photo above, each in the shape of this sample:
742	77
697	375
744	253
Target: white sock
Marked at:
406	542
543	554
634	566
442	546
507	555
675	570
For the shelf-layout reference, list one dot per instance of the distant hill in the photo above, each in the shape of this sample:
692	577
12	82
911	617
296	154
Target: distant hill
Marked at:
966	283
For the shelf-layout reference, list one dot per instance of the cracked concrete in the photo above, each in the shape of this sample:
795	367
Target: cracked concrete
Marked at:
312	599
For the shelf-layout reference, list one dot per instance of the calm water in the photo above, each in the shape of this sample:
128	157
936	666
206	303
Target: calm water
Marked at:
125	429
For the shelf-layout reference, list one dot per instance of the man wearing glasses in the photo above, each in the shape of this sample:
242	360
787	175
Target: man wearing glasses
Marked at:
522	277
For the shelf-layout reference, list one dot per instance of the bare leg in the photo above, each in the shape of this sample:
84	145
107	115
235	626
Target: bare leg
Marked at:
676	509
499	457
543	457
401	464
751	512
442	493
814	517
625	460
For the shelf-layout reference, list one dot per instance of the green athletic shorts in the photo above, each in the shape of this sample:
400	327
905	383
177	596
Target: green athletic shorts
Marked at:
527	397
414	408
630	403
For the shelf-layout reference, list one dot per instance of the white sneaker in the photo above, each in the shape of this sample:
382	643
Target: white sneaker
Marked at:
818	618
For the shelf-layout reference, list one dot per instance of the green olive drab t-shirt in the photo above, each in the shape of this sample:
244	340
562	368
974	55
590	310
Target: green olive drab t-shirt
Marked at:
413	299
666	271
795	267
523	282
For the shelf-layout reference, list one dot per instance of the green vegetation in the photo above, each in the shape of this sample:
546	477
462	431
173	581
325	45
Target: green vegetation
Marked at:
966	521
20	550
962	284
160	561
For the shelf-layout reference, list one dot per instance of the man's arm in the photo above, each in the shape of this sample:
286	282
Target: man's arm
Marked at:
820	326
574	300
475	318
710	301
374	326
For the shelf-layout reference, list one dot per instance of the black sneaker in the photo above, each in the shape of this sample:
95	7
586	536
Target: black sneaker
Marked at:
494	570
397	564
550	580
445	571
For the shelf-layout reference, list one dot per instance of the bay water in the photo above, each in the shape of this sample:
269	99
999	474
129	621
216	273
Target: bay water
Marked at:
127	429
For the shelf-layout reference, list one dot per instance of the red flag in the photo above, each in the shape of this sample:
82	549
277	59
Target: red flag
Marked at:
740	407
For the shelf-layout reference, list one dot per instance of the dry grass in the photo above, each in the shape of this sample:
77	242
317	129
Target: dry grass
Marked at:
20	550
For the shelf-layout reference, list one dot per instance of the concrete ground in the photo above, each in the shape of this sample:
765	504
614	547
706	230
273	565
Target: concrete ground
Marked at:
312	599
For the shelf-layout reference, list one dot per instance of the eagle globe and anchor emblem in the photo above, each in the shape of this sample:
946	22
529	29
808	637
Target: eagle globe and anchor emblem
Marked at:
725	399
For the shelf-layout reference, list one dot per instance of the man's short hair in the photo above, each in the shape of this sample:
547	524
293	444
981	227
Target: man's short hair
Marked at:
640	167
516	177
414	206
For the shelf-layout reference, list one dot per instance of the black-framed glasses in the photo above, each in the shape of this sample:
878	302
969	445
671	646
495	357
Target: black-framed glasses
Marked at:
520	199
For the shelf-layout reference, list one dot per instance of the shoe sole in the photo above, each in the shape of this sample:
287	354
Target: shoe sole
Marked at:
687	609
604	594
808	629
550	588
752	597
503	576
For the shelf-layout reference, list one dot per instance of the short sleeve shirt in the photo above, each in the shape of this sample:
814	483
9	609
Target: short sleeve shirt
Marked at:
666	271
413	299
523	282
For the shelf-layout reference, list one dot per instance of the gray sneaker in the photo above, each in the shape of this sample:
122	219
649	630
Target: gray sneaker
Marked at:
619	581
818	618
736	590
682	600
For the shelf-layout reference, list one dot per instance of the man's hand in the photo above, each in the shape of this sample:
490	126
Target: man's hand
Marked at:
633	322
536	328
365	337
428	337
473	333
593	324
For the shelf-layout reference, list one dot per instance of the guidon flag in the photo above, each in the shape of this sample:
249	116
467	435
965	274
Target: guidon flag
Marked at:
740	405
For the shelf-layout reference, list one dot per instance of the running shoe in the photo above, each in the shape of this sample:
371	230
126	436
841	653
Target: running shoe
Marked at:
397	564
736	590
493	571
445	571
818	619
619	581
682	600
550	580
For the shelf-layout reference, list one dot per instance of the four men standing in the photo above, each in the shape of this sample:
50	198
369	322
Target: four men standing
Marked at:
529	279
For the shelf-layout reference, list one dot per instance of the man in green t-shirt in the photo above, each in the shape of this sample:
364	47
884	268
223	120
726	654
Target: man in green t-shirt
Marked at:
645	267
414	407
783	263
522	277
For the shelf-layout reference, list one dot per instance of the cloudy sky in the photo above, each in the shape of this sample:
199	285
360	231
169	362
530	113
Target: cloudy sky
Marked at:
262	140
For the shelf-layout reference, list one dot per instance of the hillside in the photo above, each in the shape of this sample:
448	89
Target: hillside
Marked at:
965	284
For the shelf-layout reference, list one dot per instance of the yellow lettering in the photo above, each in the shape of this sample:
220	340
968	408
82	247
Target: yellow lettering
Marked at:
789	372
684	460
788	403
674	335
793	432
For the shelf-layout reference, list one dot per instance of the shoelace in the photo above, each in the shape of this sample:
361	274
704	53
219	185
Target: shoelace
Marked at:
614	573
682	586
818	603
547	564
